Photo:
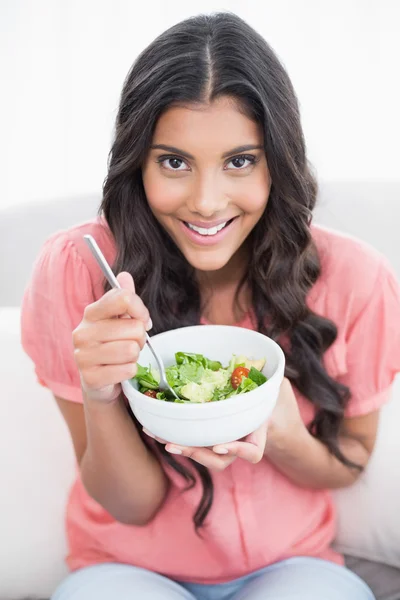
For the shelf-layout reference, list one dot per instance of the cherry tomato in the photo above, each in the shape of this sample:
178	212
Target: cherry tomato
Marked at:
238	374
151	393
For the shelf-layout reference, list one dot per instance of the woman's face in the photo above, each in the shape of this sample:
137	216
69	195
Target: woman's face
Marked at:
206	180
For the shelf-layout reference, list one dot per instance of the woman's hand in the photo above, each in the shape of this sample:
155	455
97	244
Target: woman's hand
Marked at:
107	347
284	421
250	448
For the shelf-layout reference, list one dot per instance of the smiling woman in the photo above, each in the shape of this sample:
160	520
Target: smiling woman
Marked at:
206	218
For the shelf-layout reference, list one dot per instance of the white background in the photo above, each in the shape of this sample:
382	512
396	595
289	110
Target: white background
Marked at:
63	63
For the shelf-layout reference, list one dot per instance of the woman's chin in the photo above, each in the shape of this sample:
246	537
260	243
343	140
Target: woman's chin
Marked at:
207	261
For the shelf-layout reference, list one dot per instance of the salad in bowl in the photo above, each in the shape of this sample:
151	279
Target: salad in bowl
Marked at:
227	380
196	378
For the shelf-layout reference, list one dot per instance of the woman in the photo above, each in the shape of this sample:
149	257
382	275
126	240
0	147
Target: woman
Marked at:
206	216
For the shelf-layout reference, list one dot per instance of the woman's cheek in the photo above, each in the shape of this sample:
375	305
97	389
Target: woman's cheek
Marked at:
165	197
251	198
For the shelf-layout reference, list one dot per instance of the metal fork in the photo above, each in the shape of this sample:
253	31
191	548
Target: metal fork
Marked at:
112	280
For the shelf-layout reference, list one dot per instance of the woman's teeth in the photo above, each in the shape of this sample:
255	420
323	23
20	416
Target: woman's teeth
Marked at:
205	231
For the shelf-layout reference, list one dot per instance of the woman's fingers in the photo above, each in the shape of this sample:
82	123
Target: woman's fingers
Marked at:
111	330
115	303
125	280
244	450
204	456
221	456
102	376
111	353
250	448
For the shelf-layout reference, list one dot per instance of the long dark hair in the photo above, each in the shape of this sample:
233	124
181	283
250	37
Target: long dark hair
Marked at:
198	60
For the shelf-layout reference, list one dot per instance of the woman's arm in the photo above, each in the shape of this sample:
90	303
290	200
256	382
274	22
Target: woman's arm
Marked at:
286	442
308	462
117	470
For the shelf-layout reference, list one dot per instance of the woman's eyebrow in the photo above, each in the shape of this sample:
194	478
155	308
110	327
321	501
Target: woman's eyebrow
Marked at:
240	149
171	149
237	150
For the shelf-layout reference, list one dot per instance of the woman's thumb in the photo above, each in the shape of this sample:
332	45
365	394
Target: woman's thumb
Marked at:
125	280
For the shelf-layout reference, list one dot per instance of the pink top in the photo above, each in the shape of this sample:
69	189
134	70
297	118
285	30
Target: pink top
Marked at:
258	515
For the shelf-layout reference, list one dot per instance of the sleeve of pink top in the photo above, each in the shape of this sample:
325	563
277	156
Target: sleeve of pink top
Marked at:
52	307
373	346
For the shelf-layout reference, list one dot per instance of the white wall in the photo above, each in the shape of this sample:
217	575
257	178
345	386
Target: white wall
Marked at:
64	61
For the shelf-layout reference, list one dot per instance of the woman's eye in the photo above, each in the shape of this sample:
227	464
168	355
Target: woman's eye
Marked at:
172	163
241	162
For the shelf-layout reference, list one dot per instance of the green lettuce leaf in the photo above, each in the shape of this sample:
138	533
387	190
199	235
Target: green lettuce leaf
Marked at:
145	378
186	357
191	372
256	376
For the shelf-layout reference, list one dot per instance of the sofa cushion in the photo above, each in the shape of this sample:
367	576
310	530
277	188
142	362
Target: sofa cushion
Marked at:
36	471
368	511
383	580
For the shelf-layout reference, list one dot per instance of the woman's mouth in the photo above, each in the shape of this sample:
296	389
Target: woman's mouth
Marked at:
206	236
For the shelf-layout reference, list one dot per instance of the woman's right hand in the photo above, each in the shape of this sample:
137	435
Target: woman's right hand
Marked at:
106	348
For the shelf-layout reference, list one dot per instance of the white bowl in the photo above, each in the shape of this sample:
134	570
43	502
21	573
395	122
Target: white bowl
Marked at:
212	422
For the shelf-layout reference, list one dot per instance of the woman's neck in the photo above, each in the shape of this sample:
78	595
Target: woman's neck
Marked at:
218	289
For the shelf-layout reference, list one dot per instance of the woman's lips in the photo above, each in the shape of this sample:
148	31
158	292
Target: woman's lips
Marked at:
207	239
209	224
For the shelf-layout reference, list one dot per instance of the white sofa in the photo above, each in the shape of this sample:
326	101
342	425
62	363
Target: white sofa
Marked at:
36	457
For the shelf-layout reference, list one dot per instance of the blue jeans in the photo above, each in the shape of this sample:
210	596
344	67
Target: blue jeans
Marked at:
298	578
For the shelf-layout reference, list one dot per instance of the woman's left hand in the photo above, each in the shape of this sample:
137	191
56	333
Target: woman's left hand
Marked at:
284	421
250	448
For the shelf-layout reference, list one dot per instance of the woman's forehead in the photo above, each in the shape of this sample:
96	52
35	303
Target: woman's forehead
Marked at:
220	125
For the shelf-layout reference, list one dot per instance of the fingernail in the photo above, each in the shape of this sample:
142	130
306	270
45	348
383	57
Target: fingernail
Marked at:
173	450
221	450
149	325
148	433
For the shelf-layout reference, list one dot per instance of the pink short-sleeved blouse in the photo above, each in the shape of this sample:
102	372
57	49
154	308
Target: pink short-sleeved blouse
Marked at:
258	515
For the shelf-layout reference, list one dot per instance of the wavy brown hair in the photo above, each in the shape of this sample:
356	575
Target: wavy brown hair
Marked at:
199	60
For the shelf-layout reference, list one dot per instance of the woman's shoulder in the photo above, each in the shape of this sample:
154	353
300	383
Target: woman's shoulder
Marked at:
64	280
347	262
354	275
68	246
66	259
359	291
73	237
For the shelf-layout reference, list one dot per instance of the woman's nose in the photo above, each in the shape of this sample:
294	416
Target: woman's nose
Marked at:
207	198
